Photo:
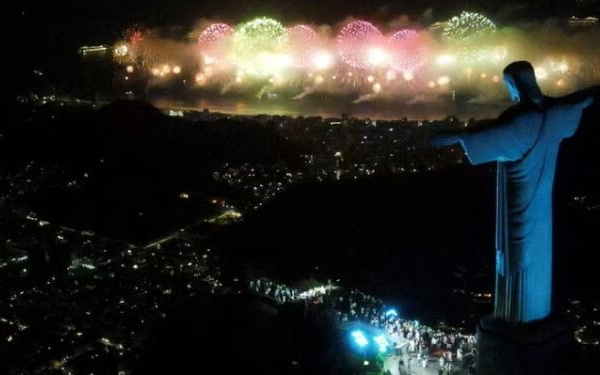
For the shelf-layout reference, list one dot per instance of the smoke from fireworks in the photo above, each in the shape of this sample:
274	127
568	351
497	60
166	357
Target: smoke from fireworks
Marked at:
467	53
302	45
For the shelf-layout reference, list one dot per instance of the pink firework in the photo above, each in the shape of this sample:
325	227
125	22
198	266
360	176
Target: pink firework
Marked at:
301	33
303	41
213	42
407	51
134	37
356	40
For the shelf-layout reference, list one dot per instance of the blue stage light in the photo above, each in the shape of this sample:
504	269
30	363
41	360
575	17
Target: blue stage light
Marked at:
359	338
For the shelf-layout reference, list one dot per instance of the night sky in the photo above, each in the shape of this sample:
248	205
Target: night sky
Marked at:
101	21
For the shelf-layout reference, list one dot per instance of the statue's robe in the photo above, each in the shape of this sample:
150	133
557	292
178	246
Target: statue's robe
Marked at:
524	142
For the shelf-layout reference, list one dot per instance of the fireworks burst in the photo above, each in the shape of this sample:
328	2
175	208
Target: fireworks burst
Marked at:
134	36
360	45
465	33
213	43
467	26
407	51
258	47
468	52
129	49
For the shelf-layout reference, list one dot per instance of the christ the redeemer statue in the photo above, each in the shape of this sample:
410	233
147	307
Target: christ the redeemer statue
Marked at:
524	141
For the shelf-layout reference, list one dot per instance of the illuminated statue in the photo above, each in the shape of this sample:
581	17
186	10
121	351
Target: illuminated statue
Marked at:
524	141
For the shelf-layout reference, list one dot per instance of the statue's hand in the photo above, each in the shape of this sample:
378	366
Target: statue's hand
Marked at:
587	101
443	140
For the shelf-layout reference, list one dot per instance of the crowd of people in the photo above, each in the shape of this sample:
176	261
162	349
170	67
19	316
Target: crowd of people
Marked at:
414	344
282	293
279	292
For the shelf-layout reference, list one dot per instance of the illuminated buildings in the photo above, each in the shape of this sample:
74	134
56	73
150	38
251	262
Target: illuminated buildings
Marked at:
93	50
582	22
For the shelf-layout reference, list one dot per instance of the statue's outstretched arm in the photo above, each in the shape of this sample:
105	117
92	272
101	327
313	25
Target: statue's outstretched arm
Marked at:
444	139
590	95
504	139
570	109
448	138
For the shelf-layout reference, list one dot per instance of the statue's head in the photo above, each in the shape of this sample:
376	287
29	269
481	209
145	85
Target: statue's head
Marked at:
519	78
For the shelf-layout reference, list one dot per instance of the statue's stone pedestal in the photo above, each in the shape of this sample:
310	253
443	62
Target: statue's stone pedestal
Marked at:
541	347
